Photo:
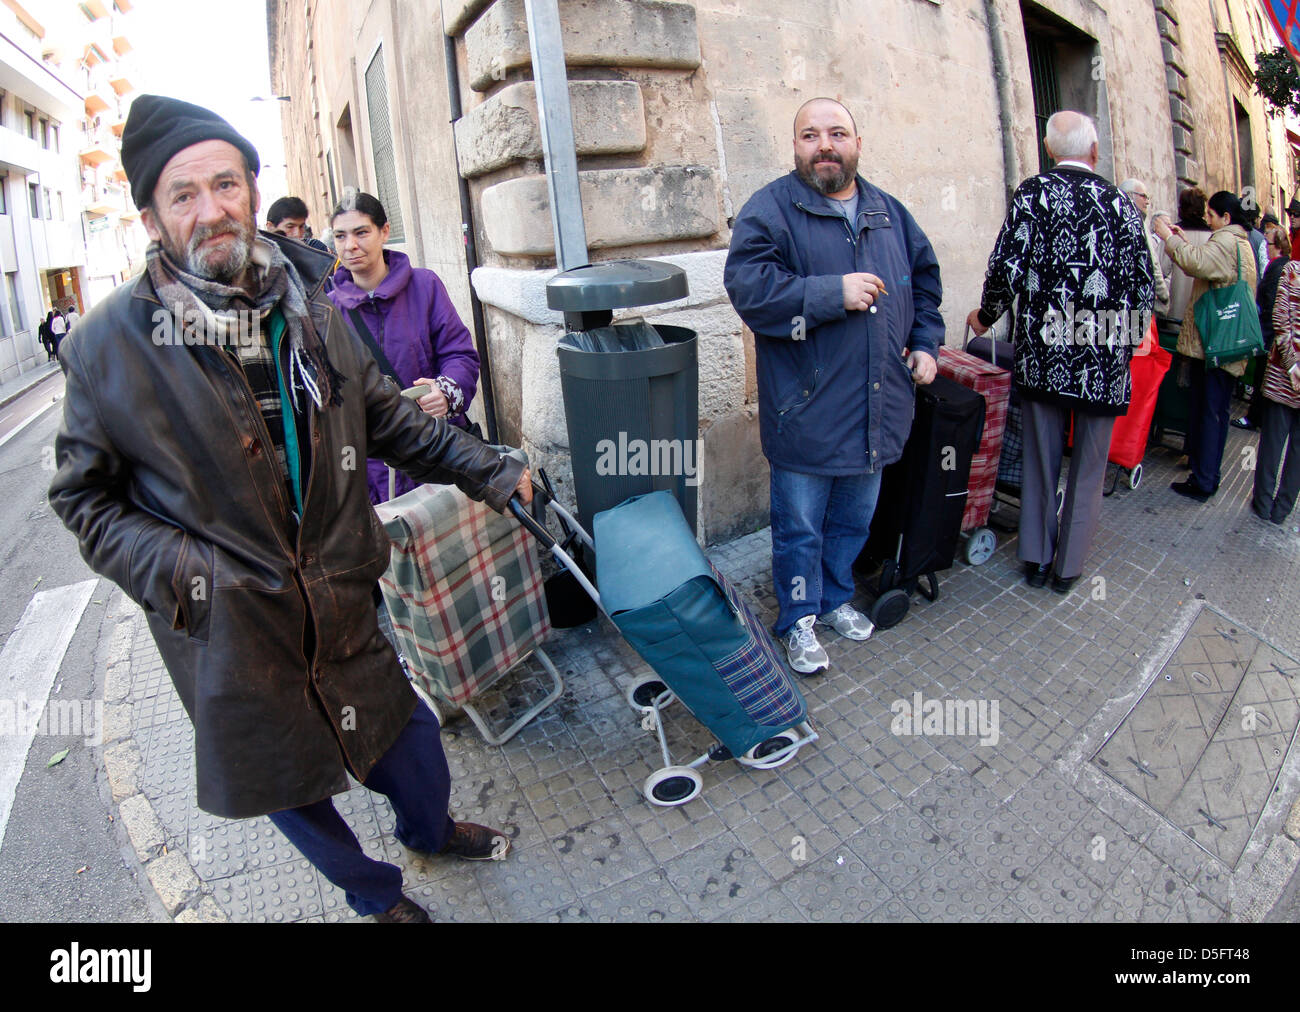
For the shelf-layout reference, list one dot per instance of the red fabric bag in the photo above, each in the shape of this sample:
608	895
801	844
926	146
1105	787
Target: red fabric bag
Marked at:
1128	440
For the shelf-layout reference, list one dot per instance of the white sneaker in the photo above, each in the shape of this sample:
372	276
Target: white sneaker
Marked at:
848	622
802	650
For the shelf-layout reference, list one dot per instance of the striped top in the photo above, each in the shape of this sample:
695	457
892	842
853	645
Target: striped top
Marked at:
1285	352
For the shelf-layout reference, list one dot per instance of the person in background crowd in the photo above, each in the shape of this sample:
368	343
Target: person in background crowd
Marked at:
58	328
1268	225
1279	251
1293	215
1258	242
1072	254
288	217
46	338
1137	192
406	312
1277	466
1212	264
210	483
841	288
1191	220
73	316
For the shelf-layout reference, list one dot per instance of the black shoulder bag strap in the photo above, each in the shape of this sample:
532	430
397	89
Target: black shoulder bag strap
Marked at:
363	331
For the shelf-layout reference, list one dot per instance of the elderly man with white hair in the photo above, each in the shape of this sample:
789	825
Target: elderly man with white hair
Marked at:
1137	192
1073	251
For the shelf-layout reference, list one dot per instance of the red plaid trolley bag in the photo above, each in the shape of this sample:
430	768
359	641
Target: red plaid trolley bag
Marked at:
994	384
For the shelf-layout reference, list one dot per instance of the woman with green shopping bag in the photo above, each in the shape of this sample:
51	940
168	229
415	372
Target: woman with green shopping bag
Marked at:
1226	259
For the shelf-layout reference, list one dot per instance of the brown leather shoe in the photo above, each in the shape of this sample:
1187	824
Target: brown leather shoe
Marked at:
404	911
473	842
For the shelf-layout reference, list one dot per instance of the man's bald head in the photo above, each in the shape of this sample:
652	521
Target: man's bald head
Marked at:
803	109
1071	135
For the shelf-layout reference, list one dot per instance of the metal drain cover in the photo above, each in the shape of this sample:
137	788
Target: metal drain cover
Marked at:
1205	743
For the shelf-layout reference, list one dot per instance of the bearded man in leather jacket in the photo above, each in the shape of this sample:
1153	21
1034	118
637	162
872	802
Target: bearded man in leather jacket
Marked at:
211	462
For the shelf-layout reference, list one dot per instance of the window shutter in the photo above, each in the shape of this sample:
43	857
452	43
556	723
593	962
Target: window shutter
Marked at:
381	141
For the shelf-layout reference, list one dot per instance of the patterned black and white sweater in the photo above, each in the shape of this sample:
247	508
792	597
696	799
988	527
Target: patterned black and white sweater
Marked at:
1073	257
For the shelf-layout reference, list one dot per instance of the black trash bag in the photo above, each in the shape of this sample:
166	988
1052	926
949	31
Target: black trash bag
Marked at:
635	335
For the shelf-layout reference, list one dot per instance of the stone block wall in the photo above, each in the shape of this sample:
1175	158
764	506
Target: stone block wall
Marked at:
649	175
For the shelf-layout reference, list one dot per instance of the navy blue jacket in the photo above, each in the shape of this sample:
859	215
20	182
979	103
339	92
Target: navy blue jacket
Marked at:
834	394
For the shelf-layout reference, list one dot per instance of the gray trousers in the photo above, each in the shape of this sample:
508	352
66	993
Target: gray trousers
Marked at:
1042	539
1278	425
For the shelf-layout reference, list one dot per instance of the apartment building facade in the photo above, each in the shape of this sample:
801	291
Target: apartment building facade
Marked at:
66	236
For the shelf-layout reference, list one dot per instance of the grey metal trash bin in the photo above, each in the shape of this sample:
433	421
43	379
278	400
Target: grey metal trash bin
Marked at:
632	416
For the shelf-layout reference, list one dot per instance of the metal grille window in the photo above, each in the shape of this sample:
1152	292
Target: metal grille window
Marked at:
1047	92
381	143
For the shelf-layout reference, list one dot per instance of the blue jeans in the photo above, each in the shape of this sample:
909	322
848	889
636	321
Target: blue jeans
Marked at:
819	525
413	774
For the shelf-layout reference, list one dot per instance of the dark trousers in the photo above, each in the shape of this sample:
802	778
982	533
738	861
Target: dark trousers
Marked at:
1042	537
1208	402
1255	413
1279	436
413	775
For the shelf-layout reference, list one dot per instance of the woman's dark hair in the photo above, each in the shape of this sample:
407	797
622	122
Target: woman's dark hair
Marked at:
362	203
1191	208
1225	204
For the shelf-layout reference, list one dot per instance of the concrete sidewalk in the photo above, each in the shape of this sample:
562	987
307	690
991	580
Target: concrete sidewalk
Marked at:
12	389
866	824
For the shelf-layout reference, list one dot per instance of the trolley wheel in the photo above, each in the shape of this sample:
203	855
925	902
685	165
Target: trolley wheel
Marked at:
888	576
755	756
889	608
672	785
980	546
1135	477
641	695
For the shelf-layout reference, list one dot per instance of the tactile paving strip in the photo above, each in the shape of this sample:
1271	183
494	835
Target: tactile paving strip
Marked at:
1205	743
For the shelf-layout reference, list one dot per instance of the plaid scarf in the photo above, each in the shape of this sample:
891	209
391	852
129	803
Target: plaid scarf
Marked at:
214	313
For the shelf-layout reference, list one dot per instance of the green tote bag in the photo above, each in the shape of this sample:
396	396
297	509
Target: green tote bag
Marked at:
1228	322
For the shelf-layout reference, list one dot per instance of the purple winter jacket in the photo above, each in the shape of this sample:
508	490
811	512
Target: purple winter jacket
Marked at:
411	316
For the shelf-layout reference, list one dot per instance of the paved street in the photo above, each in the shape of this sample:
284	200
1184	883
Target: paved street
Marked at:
865	824
61	858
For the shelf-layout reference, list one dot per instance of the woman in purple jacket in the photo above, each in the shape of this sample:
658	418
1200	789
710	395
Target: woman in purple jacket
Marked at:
408	314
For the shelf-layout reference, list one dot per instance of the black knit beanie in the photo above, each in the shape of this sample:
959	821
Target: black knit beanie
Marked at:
158	127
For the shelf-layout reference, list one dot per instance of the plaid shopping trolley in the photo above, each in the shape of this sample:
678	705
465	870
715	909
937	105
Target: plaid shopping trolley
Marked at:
464	592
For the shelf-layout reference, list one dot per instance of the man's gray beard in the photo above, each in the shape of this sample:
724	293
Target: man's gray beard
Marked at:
825	185
231	262
234	262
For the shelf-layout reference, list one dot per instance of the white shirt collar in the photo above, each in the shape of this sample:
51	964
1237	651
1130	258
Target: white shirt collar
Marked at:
1075	165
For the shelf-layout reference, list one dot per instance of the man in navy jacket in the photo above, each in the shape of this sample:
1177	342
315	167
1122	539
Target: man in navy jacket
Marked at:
841	289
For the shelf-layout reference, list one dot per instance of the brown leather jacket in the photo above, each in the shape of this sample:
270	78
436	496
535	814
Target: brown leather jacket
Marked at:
168	477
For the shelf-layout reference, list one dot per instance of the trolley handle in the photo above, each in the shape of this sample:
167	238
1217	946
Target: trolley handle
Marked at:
529	522
993	344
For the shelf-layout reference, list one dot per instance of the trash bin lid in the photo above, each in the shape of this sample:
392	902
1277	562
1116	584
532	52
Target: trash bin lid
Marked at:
615	284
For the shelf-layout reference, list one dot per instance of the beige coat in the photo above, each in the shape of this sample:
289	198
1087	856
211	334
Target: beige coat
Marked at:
1212	264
